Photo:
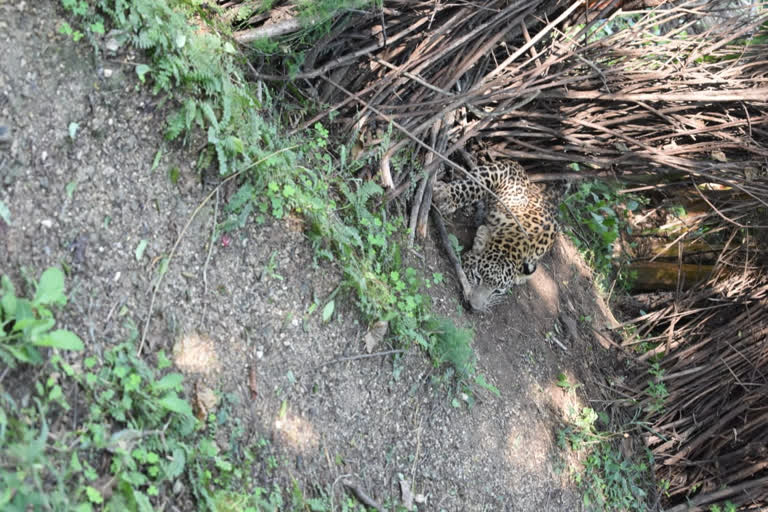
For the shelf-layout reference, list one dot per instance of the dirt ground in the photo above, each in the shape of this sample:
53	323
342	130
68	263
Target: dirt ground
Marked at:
87	202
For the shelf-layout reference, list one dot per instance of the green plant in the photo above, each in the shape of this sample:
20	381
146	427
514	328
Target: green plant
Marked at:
198	73
67	30
82	9
656	388
345	219
316	18
563	382
728	506
5	213
134	439
663	486
597	215
608	480
451	345
133	420
122	441
130	414
26	325
270	269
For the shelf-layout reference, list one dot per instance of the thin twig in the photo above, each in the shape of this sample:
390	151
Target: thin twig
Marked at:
466	288
208	258
361	495
359	356
183	232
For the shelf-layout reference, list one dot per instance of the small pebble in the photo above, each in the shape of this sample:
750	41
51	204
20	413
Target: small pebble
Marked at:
112	45
5	134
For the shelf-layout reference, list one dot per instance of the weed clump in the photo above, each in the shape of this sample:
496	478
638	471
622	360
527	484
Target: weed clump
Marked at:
596	214
452	345
609	480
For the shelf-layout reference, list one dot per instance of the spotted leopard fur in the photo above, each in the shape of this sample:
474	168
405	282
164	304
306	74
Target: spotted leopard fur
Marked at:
503	254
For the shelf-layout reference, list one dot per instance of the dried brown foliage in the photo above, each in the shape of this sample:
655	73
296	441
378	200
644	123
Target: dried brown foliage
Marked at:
710	439
675	93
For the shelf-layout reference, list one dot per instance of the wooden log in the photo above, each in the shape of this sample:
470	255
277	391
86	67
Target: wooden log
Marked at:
663	275
693	250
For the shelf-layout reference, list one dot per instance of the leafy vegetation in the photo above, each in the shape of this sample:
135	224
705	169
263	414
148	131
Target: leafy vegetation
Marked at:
726	507
656	388
596	214
123	440
345	219
26	325
315	18
609	480
135	438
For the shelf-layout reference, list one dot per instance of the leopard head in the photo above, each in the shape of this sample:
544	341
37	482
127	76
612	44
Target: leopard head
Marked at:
491	278
501	260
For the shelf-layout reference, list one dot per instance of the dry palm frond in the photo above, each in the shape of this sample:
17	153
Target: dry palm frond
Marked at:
668	96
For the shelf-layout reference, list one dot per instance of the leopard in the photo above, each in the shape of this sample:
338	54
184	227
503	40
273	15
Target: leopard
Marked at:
520	227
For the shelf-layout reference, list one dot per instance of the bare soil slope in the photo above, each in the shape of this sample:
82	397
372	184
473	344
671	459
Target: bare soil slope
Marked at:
87	203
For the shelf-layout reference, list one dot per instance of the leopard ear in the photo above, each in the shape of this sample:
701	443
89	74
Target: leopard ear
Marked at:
529	268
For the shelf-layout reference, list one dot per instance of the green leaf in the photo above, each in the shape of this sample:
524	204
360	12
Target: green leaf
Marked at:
70	188
74	463
162	360
97	27
5	213
94	495
173	403
139	253
211	116
170	381
65	28
156	161
174	468
25	315
25	353
207	448
142	501
141	70
60	338
328	311
34	327
235	144
50	290
8	300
